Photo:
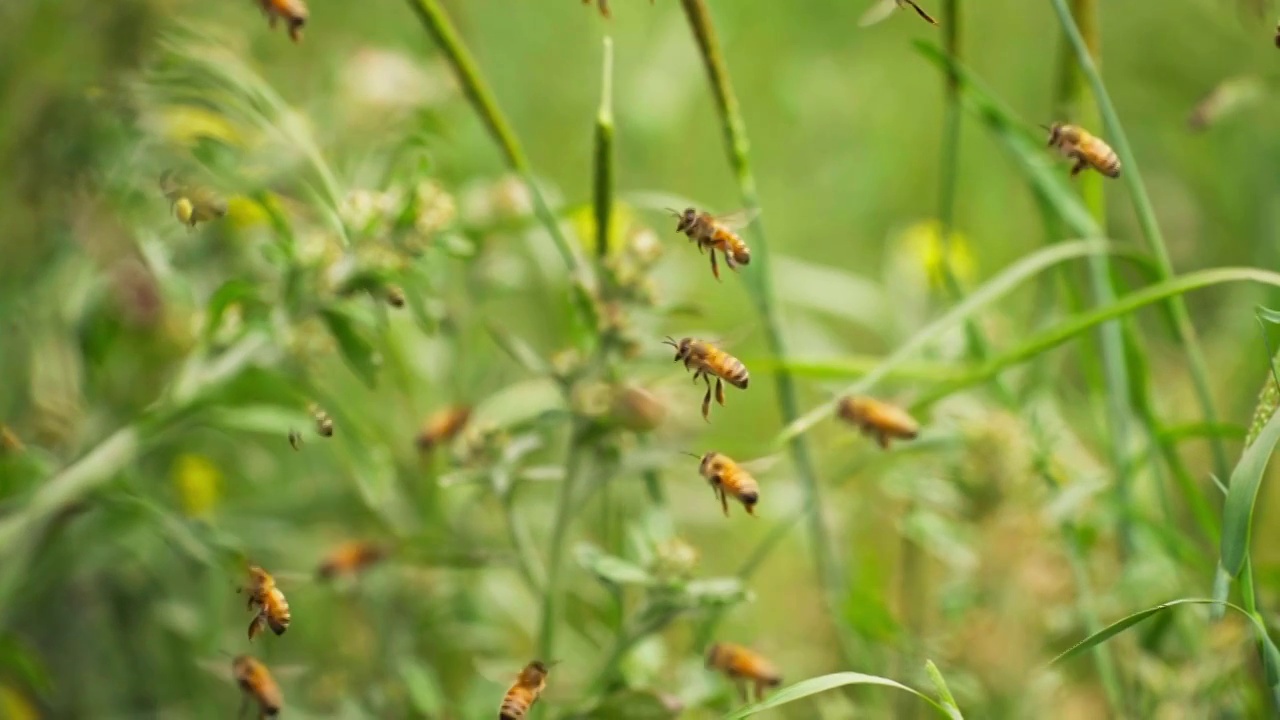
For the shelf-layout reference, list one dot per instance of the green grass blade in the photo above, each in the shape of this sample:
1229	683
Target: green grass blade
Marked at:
994	289
1242	496
813	686
944	692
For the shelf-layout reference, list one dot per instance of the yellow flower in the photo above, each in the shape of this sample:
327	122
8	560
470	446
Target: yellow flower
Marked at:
923	241
583	220
15	706
197	480
187	124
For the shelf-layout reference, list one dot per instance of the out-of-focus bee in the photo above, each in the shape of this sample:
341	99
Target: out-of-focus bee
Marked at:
269	601
707	361
9	442
882	9
191	204
878	419
350	558
395	296
716	232
524	693
442	427
743	666
294	13
728	478
324	423
1087	150
295	439
257	685
1230	96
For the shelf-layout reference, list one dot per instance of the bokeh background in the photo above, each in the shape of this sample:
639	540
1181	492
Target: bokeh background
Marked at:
152	373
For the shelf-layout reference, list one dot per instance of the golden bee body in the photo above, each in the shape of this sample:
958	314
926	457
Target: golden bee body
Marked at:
294	13
395	296
191	204
350	558
728	478
708	361
442	427
1086	149
743	666
717	234
878	419
524	693
270	603
257	684
324	423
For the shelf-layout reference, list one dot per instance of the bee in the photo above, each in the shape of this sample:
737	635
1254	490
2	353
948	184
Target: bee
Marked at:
443	426
524	693
295	439
350	558
882	9
717	233
191	204
728	478
294	13
1087	150
707	361
878	419
395	296
324	423
742	666
258	685
273	609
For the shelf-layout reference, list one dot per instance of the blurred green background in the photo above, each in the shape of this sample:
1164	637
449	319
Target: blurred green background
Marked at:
153	372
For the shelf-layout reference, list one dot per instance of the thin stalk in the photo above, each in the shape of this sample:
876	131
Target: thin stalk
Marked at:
1150	227
441	29
565	506
760	289
604	155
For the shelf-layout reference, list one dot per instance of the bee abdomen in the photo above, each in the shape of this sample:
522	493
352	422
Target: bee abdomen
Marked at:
736	374
513	708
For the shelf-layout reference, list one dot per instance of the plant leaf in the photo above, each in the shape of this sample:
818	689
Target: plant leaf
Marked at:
1242	495
610	568
944	692
813	686
227	294
356	348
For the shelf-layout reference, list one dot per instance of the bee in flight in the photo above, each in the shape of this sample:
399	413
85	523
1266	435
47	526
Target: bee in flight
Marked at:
743	666
1087	150
295	439
324	423
294	13
395	296
707	361
717	232
269	601
882	9
728	478
878	419
256	683
525	692
443	426
349	558
191	204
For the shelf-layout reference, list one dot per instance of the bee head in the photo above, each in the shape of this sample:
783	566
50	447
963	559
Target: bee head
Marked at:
538	666
684	220
706	460
682	347
1055	133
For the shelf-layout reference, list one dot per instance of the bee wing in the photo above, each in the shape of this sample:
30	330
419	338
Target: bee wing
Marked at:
878	11
762	465
738	218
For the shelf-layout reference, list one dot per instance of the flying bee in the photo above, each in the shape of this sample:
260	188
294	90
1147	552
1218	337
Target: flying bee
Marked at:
717	232
324	423
295	439
257	685
525	692
443	426
729	478
882	9
294	13
395	296
707	361
191	204
743	666
878	419
349	558
1087	150
270	603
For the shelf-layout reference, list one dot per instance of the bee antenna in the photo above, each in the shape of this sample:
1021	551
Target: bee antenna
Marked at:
1046	127
685	452
671	341
674	212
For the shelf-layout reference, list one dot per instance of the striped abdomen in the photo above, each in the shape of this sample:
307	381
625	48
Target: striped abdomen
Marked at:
1100	155
723	365
517	703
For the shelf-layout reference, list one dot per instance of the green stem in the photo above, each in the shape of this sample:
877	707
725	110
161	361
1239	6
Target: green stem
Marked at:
759	287
437	23
1150	228
604	155
565	506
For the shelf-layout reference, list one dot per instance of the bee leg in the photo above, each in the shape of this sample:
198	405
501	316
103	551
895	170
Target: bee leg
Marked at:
728	260
706	405
720	391
715	268
742	689
883	439
1080	165
724	500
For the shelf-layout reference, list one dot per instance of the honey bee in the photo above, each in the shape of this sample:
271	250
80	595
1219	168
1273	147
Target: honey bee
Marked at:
882	9
395	296
716	232
350	558
324	423
269	601
728	478
191	204
708	361
1087	150
878	419
443	426
742	666
258	685
294	13
295	439
524	693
